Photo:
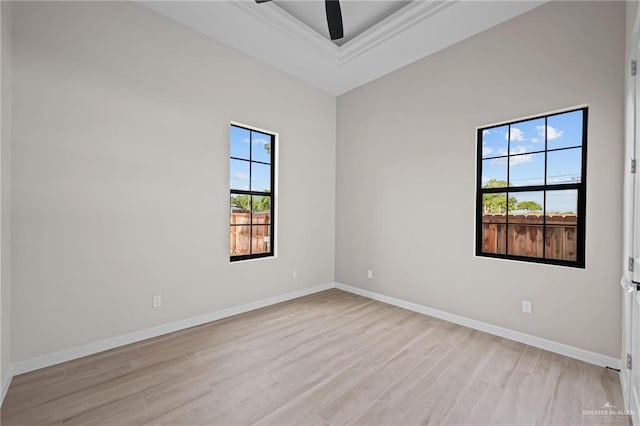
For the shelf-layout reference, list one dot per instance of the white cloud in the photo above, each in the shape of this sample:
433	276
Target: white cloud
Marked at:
535	140
514	161
260	141
486	150
521	159
517	135
241	176
552	132
485	132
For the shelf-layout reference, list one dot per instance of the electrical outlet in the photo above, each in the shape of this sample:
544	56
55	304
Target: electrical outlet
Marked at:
369	273
156	301
526	306
294	274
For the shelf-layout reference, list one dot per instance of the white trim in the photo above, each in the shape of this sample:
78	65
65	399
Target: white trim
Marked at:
538	342
623	375
635	406
114	342
273	36
6	381
272	15
409	16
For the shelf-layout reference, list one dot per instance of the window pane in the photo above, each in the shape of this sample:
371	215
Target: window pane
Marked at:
526	207
240	214
564	130
239	142
260	147
560	241
494	141
494	219
239	174
261	209
564	166
494	173
525	239
261	239
526	169
561	219
494	205
494	238
564	203
527	136
240	240
260	177
525	223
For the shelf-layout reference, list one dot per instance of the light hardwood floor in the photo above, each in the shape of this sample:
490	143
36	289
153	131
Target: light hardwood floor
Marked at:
329	358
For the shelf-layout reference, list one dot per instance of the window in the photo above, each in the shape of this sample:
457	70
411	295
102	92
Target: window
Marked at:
531	189
252	200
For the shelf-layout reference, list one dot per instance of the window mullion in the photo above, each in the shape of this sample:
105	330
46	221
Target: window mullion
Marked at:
506	217
544	195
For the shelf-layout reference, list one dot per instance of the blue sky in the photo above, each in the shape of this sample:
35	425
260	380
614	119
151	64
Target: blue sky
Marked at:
562	131
240	147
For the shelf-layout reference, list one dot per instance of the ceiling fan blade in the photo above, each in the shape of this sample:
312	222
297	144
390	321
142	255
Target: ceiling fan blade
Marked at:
334	19
262	1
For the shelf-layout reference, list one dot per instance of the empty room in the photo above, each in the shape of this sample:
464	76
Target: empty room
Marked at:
310	212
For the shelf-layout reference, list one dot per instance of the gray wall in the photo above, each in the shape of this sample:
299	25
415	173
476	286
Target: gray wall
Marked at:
120	190
5	192
406	174
120	174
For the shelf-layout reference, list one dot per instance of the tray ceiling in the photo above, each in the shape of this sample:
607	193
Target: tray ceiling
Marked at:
382	36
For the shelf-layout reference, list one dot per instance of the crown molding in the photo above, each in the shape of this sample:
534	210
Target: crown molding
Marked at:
405	18
270	14
270	35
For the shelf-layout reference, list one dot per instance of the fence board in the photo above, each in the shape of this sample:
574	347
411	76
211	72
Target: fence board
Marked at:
524	235
247	239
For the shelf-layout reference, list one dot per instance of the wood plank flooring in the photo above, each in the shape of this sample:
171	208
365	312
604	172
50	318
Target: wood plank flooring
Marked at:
329	358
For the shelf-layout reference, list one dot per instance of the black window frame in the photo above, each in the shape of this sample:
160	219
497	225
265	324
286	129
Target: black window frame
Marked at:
581	188
271	193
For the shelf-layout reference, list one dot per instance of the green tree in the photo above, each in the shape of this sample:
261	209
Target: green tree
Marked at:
261	204
258	203
495	183
496	203
530	206
241	201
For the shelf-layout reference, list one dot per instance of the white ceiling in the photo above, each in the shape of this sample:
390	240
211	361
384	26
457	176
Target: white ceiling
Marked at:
357	16
383	39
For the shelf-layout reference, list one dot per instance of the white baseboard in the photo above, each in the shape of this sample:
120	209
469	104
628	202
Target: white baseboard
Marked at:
103	345
114	342
538	342
6	381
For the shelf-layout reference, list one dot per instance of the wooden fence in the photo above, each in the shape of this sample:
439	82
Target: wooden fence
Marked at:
247	238
524	236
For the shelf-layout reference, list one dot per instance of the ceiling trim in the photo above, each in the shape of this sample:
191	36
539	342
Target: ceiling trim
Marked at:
270	35
270	14
403	19
400	21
